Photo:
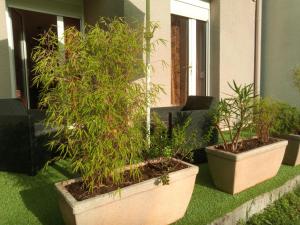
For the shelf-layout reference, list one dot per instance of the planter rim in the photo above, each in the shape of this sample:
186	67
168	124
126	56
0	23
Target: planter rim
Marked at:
243	155
291	136
102	199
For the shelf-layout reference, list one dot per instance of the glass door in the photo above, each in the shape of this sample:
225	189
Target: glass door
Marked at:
188	47
27	27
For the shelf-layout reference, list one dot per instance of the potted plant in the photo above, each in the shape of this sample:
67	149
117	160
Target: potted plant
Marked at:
287	126
243	161
96	101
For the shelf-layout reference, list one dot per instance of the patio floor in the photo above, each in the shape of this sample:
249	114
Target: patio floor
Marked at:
32	200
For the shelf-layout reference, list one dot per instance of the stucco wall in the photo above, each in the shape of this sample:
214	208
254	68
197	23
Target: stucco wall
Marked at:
280	49
160	13
237	41
5	82
93	9
215	48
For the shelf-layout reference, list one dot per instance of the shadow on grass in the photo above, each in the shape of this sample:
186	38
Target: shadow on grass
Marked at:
39	195
42	202
204	177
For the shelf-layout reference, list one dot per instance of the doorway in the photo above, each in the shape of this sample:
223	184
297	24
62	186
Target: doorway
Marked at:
189	50
26	27
188	43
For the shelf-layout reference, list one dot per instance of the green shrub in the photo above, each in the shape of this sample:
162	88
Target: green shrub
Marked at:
297	79
92	99
287	120
265	116
180	143
234	115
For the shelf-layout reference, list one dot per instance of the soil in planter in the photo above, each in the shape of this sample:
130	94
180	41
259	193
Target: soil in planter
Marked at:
148	171
249	144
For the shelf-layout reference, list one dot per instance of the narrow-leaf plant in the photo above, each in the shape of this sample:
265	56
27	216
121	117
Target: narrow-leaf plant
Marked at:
94	98
234	114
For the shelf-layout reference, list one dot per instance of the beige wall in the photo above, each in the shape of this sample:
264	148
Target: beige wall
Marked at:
160	13
93	9
280	49
236	29
134	10
215	48
5	82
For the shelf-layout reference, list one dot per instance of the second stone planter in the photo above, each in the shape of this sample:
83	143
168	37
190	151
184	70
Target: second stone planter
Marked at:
292	153
233	173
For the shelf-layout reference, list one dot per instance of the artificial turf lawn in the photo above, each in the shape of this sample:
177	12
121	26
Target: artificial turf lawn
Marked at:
284	211
28	200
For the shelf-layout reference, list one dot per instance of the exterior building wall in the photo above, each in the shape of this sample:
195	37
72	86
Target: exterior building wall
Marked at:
135	9
280	49
5	77
237	43
94	9
215	48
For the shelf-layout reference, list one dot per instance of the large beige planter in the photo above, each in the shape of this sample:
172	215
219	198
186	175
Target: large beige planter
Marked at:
139	204
292	153
234	173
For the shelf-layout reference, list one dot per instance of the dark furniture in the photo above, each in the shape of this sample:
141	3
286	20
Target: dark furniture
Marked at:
22	140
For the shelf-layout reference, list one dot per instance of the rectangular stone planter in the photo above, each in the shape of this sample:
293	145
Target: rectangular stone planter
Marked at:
233	173
292	153
145	203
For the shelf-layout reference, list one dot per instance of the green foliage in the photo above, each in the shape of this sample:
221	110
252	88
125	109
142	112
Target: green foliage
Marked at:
234	115
180	143
265	116
287	120
92	99
296	78
284	211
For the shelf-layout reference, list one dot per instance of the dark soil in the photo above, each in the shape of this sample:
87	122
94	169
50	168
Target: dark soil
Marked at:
148	171
249	144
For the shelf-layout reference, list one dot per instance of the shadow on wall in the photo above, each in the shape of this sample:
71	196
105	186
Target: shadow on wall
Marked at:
5	84
134	16
133	13
280	50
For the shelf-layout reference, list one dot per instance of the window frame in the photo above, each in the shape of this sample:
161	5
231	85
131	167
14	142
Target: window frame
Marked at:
195	10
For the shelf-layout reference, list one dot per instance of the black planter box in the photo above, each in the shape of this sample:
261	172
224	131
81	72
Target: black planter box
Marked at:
21	149
197	107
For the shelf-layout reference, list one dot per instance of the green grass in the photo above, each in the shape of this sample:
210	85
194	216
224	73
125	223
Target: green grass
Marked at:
28	200
284	211
208	203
